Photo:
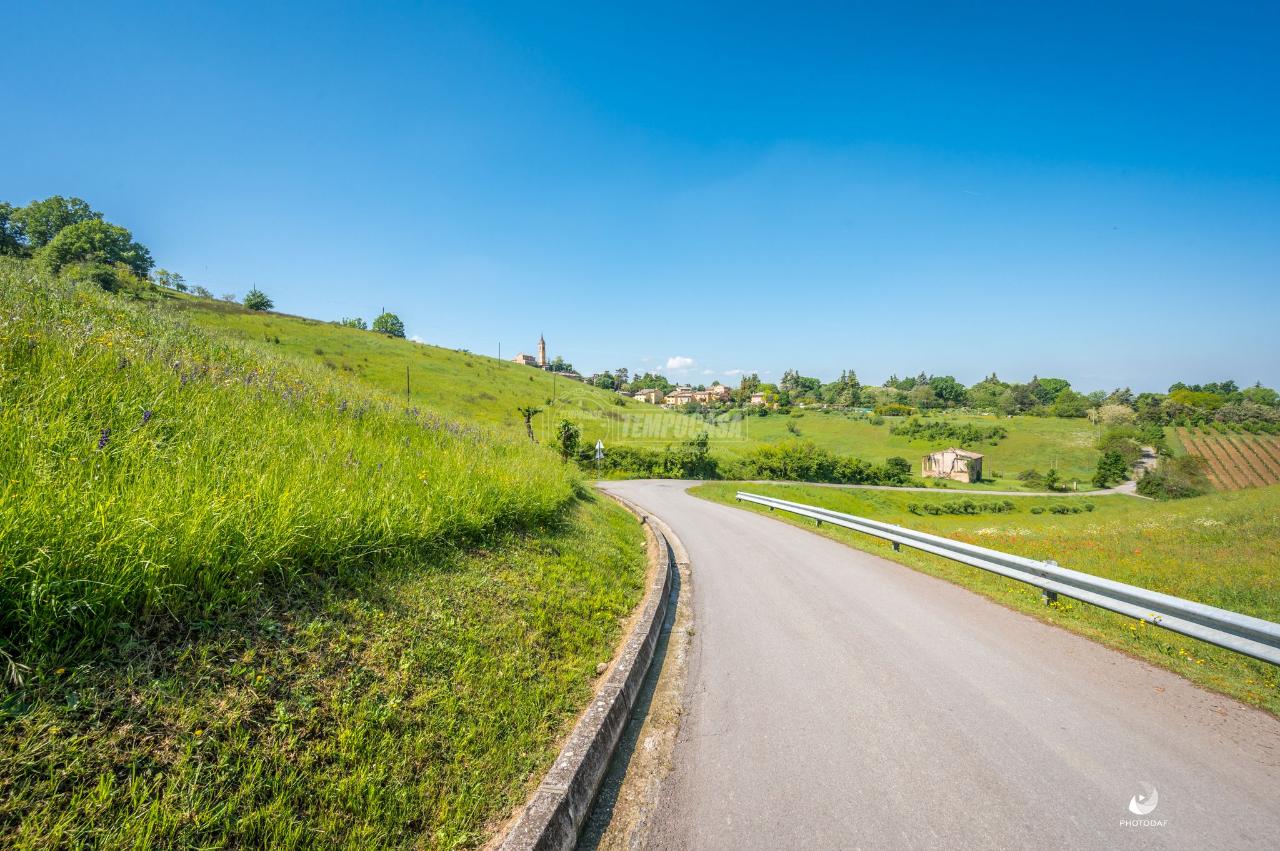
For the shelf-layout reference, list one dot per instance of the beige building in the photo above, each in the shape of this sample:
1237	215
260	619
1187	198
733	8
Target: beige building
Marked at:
652	395
678	397
960	465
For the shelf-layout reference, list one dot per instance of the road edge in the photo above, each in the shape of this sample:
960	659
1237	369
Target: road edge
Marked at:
559	807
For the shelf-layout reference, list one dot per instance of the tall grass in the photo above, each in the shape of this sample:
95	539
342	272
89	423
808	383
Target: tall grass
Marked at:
151	472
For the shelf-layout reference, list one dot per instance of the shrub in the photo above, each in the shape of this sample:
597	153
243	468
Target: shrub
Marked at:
876	420
894	409
1037	509
1175	478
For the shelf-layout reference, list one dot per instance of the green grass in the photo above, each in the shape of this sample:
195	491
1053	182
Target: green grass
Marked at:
248	601
408	715
487	390
151	472
1217	549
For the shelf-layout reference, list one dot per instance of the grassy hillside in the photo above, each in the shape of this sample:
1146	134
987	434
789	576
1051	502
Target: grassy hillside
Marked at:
1218	549
484	389
247	601
466	386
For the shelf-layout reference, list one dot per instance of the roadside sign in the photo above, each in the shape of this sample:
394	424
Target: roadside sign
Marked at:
599	449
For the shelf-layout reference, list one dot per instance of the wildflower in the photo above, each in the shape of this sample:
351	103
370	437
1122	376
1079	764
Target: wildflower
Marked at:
103	438
146	415
60	671
199	732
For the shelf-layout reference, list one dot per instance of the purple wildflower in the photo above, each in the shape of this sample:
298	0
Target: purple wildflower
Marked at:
146	416
103	438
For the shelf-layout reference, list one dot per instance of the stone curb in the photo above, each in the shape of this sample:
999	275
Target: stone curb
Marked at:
556	813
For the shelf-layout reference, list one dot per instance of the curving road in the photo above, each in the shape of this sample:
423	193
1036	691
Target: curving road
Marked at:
839	700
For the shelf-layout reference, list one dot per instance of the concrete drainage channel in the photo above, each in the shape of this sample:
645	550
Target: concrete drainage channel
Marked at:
555	814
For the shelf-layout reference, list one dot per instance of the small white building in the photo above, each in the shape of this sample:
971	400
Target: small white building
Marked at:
960	465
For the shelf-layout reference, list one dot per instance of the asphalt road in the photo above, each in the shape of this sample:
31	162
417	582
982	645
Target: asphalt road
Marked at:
838	700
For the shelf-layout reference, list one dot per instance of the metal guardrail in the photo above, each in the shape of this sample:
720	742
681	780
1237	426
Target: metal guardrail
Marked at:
1244	634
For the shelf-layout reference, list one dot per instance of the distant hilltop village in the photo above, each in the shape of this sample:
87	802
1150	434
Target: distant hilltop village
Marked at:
558	366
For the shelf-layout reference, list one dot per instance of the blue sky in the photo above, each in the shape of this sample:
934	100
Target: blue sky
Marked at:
1083	190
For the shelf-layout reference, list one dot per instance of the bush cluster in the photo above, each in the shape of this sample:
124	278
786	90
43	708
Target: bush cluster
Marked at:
963	506
942	430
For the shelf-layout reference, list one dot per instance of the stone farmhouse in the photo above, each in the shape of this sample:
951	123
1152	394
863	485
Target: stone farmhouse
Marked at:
960	465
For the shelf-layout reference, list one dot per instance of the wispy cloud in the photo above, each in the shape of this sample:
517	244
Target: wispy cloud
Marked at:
679	362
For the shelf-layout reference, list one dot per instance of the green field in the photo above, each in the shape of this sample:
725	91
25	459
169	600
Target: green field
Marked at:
1040	443
486	390
247	601
1217	549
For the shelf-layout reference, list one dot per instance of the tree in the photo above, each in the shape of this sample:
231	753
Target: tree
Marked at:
13	238
96	241
947	389
1051	480
389	324
897	470
202	292
1046	390
529	412
231	297
42	221
985	395
354	322
1069	403
568	435
256	299
1111	469
170	280
559	364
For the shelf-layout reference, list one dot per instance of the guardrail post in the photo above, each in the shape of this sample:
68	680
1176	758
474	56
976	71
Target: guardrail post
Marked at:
1047	596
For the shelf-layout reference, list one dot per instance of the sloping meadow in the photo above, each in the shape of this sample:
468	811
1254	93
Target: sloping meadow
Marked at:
153	473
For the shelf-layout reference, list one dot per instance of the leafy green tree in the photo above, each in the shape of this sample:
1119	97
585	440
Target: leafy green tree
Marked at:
354	322
559	364
569	436
1069	403
170	280
42	221
1112	468
96	241
389	324
256	299
1052	481
202	292
897	470
949	391
1046	390
13	238
985	395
